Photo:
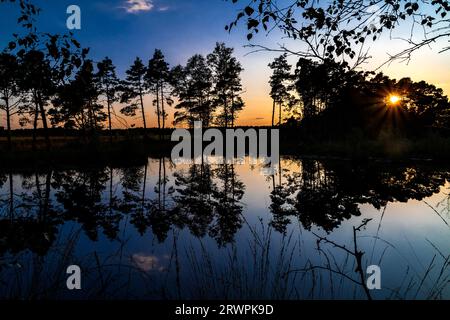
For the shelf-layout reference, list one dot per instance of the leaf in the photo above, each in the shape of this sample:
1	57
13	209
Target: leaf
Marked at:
249	11
252	23
75	43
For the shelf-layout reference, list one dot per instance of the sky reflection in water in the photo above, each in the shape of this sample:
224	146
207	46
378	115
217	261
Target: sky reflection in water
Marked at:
158	231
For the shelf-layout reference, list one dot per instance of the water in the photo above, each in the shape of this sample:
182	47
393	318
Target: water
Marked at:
160	231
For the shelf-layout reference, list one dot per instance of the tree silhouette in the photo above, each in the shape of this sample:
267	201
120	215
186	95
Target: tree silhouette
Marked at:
194	198
280	84
226	71
324	194
80	195
10	98
38	78
109	86
162	210
134	182
324	85
338	29
46	61
134	89
193	87
157	78
32	223
77	104
228	208
28	12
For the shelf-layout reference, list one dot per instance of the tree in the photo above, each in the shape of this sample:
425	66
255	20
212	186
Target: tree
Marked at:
237	104
325	84
336	100
46	60
9	89
77	103
226	72
108	86
157	78
340	29
193	86
38	79
279	83
133	90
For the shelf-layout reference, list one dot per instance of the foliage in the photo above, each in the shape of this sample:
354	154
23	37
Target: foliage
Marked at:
193	85
226	71
340	29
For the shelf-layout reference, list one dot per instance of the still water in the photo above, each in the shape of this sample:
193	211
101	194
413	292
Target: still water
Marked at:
160	231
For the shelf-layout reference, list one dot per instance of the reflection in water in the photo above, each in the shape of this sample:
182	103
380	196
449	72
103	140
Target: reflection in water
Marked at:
325	194
225	231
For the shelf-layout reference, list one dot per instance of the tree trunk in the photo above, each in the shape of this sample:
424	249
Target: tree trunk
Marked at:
144	185
159	185
109	120
38	191
158	113
8	124
44	124
36	117
164	184
232	112
273	113
11	196
163	112
143	112
48	181
280	106
225	111
83	124
111	191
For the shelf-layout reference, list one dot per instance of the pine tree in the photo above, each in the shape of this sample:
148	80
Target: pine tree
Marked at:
108	86
157	78
226	71
133	90
193	86
9	89
279	84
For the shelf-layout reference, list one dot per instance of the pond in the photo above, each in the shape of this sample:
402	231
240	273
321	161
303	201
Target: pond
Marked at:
166	231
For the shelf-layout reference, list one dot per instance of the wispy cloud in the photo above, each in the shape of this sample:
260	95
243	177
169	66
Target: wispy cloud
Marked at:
164	8
136	6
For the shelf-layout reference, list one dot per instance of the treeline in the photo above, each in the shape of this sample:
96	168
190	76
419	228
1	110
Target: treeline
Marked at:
207	89
329	99
48	81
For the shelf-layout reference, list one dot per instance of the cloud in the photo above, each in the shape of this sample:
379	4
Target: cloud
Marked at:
164	8
147	263
136	6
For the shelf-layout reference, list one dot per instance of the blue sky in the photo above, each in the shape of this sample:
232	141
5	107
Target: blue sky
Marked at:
117	29
125	29
180	28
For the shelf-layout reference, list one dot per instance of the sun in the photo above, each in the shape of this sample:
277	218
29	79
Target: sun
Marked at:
394	99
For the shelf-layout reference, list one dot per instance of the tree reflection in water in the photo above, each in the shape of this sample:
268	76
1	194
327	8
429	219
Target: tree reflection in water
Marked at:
324	194
206	201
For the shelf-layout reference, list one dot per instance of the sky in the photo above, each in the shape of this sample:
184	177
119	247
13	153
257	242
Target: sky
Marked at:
126	29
